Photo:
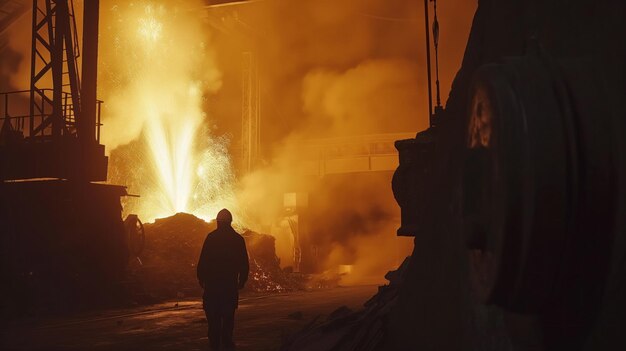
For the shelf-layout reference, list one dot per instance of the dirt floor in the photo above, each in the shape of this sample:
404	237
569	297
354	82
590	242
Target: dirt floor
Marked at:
261	323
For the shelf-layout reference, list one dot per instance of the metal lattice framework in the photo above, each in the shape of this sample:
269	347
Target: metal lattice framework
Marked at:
52	130
54	112
250	111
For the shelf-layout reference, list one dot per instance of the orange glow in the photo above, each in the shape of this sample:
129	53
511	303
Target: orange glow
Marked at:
173	116
162	102
164	99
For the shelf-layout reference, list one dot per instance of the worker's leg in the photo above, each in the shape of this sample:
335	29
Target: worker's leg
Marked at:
214	321
228	320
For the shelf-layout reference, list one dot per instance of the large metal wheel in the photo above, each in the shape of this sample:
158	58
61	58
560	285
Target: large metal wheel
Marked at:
539	193
521	182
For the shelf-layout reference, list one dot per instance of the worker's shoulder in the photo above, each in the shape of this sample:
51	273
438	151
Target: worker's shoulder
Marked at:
225	233
236	233
238	237
211	234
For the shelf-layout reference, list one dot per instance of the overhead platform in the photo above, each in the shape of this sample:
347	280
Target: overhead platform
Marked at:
366	153
65	159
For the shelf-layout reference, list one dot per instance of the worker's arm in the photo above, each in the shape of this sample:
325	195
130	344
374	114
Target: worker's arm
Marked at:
245	265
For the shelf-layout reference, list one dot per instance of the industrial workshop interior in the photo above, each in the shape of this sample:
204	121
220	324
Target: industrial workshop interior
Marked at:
312	175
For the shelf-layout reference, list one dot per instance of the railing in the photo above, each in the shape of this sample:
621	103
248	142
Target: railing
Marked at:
366	153
15	110
17	118
366	145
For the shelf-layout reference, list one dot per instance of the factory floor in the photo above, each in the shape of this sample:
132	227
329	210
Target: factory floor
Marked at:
261	322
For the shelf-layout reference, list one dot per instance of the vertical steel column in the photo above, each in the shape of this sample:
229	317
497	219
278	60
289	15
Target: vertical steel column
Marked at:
33	50
246	109
87	119
250	111
56	58
72	109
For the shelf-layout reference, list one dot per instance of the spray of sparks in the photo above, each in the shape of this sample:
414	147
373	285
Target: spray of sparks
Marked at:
190	169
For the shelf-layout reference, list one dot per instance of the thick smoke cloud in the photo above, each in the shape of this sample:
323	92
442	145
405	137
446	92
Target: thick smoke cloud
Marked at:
339	69
326	69
15	45
363	99
295	39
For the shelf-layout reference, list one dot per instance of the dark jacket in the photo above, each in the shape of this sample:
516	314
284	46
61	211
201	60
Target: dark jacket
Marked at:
223	267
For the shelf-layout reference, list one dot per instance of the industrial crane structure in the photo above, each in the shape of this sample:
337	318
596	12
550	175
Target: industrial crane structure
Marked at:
58	135
61	232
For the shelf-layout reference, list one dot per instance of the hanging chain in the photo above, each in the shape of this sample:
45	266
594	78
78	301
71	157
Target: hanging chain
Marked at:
436	43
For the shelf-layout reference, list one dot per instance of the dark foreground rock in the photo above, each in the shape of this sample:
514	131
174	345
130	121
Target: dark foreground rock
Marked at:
344	329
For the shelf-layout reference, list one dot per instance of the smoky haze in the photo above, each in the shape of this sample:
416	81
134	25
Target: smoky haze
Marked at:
334	69
367	55
326	69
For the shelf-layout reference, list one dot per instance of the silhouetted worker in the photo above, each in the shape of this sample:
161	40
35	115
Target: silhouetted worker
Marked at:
222	271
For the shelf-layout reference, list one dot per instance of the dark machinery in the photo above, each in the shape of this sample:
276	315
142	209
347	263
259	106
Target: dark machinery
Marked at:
63	241
515	195
538	183
416	155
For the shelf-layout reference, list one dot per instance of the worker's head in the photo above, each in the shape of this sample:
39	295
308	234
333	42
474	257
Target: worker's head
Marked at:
224	217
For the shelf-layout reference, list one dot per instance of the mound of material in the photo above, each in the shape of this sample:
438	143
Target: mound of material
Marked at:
172	248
